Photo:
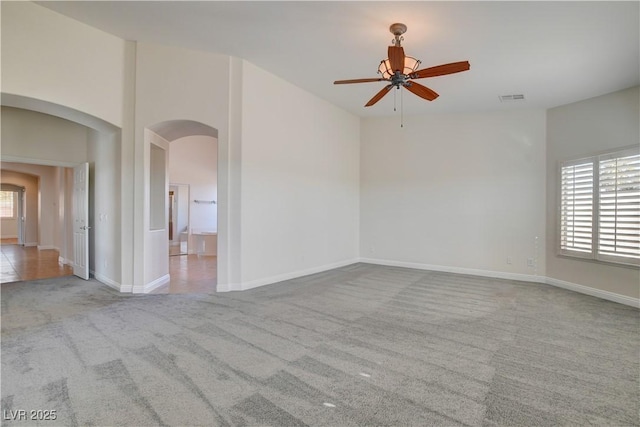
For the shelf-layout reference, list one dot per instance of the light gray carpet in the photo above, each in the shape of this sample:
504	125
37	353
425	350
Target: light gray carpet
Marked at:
360	345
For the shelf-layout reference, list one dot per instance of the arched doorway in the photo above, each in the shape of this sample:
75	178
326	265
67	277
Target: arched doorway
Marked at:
77	139
182	219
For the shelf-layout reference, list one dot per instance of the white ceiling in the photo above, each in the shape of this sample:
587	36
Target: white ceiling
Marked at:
552	52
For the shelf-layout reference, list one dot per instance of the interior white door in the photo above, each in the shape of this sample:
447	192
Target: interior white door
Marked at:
81	221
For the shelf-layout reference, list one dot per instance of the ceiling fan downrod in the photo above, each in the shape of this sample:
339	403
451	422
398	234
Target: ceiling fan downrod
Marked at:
397	30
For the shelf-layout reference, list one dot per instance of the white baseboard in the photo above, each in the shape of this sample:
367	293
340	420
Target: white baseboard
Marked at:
65	261
610	296
227	287
458	270
221	287
10	237
31	244
599	293
144	289
109	282
47	247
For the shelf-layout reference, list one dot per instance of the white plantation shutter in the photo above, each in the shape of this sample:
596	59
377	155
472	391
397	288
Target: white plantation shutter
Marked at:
600	207
619	214
576	207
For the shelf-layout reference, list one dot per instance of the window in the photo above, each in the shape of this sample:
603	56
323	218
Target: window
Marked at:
600	207
7	205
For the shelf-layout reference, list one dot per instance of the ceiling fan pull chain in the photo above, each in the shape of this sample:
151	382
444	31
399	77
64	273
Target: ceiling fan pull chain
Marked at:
394	100
401	110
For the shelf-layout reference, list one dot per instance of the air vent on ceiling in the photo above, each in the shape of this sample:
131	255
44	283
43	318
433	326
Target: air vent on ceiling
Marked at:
505	98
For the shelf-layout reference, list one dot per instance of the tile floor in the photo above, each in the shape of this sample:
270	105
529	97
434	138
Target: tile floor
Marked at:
28	263
189	273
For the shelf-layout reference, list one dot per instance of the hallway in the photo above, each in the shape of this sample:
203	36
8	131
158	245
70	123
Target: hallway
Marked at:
189	273
21	263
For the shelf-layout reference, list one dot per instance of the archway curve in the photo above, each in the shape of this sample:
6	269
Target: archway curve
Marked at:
171	130
57	110
118	258
7	186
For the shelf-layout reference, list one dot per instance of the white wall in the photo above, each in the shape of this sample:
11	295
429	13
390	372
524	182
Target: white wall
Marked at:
459	192
28	135
53	58
580	130
193	160
299	184
104	206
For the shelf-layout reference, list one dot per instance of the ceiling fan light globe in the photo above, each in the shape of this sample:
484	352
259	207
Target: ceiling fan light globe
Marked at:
411	64
385	69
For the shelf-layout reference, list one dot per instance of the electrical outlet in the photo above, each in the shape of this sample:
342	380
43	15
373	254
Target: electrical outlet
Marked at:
372	249
530	262
509	260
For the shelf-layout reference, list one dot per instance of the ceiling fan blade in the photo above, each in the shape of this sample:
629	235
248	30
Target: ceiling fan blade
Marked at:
441	70
342	82
421	91
379	95
396	58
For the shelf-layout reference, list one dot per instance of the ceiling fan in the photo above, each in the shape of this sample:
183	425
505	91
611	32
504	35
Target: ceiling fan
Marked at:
401	70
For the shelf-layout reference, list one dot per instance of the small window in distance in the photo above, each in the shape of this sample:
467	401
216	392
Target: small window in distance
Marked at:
600	207
7	204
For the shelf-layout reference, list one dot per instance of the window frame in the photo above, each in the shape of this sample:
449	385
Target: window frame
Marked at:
14	206
594	254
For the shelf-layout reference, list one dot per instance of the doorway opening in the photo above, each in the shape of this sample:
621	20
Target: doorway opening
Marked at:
33	244
54	139
191	206
12	213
